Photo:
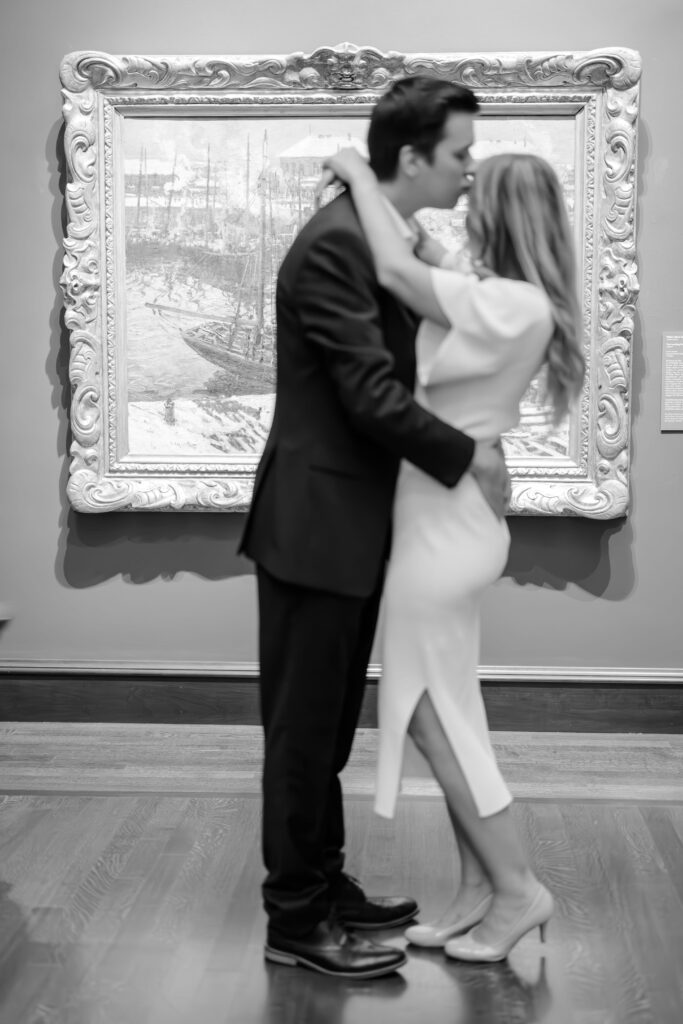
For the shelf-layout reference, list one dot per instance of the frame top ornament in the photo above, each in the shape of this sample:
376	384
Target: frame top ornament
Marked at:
348	67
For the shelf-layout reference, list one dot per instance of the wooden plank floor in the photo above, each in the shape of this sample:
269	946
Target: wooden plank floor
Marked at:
136	758
130	872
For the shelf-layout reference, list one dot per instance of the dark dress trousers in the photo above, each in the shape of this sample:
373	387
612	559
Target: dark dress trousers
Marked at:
319	531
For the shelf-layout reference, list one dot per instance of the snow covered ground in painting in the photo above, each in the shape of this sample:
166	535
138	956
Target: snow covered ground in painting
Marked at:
205	426
209	426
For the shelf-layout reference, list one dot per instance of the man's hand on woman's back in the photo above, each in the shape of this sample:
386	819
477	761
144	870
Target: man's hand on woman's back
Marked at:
489	470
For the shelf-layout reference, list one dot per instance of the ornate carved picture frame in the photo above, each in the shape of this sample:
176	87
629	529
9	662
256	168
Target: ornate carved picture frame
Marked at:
186	179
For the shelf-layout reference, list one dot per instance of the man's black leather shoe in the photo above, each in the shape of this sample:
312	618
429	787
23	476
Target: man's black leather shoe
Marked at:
356	910
332	950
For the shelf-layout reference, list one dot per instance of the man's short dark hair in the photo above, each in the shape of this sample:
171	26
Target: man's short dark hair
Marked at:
413	112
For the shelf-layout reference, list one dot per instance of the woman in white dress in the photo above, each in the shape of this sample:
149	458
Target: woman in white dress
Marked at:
485	336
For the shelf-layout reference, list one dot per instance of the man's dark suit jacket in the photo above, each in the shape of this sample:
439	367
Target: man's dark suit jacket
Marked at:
344	416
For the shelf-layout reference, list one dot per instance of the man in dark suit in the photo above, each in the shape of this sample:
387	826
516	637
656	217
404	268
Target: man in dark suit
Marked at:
319	524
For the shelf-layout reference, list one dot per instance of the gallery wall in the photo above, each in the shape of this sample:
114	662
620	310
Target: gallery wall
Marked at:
167	588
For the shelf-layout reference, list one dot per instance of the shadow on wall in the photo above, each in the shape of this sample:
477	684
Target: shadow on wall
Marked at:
545	551
143	546
555	552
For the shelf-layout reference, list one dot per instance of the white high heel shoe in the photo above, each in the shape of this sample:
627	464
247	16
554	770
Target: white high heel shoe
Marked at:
433	936
536	915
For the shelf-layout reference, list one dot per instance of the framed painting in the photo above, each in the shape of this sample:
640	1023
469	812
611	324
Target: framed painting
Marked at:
188	178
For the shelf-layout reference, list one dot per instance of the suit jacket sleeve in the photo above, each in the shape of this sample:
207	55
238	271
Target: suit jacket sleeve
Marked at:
336	296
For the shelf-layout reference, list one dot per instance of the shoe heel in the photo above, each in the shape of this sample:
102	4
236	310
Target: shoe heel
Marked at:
542	928
276	957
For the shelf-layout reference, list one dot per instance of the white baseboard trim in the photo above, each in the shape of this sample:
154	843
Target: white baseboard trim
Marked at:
249	669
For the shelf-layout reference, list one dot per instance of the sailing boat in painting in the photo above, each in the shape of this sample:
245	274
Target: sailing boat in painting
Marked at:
241	342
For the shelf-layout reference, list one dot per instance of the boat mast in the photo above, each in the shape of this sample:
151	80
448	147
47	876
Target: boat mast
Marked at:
147	191
137	217
238	305
261	278
207	204
273	251
226	217
246	190
170	194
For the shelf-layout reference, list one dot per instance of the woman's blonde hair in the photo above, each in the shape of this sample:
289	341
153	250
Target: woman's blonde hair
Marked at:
518	227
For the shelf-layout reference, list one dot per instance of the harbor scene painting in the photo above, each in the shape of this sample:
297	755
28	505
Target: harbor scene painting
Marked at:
211	207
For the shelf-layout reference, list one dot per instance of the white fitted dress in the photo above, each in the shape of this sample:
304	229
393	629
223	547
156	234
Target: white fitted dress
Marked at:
448	545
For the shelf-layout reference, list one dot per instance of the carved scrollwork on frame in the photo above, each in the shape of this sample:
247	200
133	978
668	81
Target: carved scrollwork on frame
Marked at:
599	87
348	66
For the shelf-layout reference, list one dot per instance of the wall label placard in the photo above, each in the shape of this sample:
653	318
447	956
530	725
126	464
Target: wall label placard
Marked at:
672	381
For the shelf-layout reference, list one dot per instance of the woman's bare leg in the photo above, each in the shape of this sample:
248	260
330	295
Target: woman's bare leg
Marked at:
472	872
494	843
474	883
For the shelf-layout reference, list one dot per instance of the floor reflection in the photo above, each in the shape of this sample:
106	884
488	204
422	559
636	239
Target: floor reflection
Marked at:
430	989
300	996
495	992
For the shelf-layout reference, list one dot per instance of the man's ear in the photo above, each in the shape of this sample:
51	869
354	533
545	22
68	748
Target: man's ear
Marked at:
409	161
